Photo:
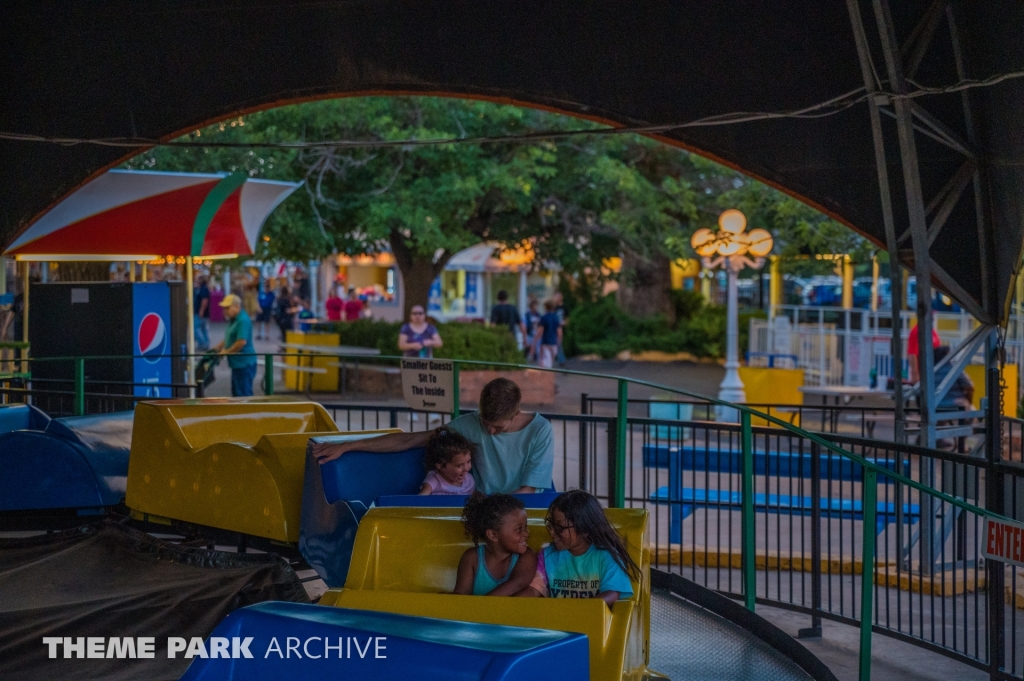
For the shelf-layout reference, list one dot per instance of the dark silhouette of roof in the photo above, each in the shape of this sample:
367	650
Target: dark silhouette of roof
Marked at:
152	69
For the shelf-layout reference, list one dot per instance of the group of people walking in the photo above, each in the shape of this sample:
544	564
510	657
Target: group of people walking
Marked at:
541	333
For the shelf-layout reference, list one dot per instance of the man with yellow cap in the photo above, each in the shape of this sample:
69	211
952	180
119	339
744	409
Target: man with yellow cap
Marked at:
237	345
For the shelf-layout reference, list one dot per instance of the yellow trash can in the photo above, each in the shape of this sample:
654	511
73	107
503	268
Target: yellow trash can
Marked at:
312	373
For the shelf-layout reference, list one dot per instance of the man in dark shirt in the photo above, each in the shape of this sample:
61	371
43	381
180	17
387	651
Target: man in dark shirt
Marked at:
504	314
302	284
201	310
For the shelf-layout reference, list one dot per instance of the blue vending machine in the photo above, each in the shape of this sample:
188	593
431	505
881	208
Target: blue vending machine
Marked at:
151	326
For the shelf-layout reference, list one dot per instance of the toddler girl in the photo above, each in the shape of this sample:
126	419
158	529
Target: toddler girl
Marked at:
448	464
501	564
586	558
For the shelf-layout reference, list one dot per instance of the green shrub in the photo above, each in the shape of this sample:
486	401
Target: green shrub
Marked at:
461	340
688	304
604	329
478	342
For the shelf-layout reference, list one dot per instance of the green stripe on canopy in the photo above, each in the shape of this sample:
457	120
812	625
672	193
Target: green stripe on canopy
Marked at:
211	204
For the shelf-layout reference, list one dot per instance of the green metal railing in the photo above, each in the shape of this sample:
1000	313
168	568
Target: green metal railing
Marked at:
749	573
617	490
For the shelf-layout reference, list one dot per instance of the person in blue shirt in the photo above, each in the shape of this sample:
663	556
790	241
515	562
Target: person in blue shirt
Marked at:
500	563
237	345
201	307
266	303
549	333
586	558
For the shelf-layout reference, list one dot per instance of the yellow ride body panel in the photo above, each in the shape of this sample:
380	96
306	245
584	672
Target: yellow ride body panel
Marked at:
234	466
405	561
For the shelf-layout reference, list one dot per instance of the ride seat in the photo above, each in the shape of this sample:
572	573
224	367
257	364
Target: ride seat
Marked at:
405	561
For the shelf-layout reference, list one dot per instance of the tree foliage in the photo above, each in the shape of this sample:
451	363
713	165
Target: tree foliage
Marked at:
576	201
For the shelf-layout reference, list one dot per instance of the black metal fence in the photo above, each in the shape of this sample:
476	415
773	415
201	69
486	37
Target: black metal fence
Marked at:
931	582
778	519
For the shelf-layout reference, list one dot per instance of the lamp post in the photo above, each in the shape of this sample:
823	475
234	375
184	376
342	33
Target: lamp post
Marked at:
735	249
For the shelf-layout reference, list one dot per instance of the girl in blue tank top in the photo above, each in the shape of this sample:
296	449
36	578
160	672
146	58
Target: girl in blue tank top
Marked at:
501	564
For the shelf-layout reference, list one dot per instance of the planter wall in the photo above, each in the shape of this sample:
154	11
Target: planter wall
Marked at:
538	387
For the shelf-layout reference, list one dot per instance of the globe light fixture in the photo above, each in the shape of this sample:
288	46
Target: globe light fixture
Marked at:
732	248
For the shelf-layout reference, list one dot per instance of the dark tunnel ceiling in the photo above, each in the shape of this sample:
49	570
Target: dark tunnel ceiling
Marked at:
153	69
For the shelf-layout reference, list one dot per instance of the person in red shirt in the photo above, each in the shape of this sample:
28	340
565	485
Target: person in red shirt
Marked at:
353	306
334	305
914	349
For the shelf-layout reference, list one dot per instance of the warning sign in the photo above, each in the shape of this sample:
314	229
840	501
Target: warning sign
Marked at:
1004	541
427	384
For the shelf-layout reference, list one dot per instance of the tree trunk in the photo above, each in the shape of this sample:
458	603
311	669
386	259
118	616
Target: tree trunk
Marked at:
418	273
644	285
83	271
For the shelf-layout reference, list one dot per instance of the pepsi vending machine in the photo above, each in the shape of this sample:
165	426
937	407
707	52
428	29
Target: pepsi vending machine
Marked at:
146	321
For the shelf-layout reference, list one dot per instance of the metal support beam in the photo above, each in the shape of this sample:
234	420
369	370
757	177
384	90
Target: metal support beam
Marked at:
986	247
966	352
920	38
918	221
940	131
945	200
892	246
995	502
951	194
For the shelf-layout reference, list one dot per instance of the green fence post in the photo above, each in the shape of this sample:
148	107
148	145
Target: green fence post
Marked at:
749	559
455	390
867	581
621	437
268	374
79	387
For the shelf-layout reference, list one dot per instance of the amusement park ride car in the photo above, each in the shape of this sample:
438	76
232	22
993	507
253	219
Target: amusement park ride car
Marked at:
239	470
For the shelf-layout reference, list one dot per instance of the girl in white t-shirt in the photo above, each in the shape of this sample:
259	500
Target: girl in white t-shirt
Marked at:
448	462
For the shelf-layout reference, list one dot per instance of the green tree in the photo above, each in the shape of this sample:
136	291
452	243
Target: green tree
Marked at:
576	201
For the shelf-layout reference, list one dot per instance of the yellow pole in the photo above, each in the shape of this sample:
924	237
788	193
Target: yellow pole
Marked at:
847	282
775	284
131	272
874	283
24	319
189	307
705	286
1020	292
144	271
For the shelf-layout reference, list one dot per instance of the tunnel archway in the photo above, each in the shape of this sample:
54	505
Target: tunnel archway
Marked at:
151	70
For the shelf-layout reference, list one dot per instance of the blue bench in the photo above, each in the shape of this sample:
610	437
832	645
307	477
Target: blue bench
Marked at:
77	463
774	503
287	640
683	501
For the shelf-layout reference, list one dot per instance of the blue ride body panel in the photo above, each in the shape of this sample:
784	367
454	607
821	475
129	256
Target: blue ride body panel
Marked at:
68	463
418	648
335	497
538	500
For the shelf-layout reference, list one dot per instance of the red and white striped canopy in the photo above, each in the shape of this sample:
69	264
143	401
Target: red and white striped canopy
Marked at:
141	215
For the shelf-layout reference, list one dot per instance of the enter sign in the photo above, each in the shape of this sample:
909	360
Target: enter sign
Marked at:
1004	541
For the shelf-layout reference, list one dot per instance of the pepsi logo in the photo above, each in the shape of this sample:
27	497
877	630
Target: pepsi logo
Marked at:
152	337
